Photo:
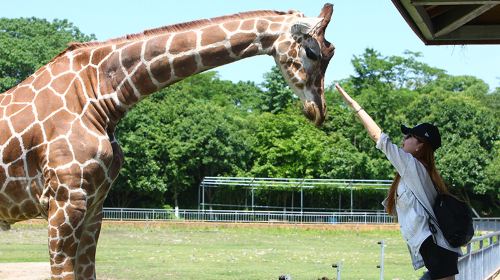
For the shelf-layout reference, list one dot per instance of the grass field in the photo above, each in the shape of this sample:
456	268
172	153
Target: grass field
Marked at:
223	252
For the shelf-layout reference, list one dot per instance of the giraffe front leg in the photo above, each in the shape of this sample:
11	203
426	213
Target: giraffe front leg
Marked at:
85	258
65	228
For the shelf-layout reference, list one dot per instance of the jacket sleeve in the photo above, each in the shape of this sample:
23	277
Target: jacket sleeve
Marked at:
398	158
412	172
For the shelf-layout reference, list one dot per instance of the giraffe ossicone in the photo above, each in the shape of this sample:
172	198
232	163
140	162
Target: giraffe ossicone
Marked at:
58	153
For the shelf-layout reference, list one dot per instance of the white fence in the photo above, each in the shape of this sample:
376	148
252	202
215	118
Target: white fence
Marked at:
235	216
487	224
482	259
246	216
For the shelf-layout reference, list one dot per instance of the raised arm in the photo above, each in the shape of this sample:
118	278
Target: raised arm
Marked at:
371	127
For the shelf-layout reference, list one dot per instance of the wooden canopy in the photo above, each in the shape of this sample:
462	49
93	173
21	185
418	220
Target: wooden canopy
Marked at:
448	22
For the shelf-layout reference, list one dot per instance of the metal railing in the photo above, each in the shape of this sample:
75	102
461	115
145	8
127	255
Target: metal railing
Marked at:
487	224
248	216
236	216
292	182
482	259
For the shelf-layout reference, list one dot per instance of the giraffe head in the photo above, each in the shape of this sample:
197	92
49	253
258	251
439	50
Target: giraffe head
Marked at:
303	55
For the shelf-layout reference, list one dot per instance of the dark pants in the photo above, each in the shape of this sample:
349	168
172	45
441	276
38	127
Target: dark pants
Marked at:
439	261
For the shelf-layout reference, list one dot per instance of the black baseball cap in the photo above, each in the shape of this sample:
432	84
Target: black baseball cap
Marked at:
426	131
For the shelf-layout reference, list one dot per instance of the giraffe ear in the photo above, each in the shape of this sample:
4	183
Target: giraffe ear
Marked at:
305	26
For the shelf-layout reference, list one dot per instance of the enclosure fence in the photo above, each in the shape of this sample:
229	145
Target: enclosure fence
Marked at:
247	216
482	259
237	216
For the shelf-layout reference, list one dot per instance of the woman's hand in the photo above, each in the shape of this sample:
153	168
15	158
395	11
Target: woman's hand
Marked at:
371	127
348	99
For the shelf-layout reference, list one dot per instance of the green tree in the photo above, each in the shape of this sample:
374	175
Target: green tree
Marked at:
244	96
174	140
493	176
286	145
277	95
372	70
462	163
140	178
26	44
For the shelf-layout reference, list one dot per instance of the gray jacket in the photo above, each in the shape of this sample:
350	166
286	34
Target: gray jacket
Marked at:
420	195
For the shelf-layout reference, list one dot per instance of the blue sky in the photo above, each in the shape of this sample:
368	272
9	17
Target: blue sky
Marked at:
355	26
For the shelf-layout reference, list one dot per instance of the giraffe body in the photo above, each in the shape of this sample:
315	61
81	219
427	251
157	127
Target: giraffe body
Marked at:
59	156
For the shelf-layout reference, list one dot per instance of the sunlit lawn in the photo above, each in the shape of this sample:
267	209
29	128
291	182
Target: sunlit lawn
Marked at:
206	251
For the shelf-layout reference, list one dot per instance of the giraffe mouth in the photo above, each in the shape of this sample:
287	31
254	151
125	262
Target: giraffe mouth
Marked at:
313	113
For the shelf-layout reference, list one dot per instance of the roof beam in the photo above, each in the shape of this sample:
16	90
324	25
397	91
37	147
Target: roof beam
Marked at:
452	21
421	19
452	2
473	33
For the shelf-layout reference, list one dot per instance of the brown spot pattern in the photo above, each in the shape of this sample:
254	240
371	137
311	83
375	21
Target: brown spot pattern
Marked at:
240	41
184	66
231	26
23	119
42	80
23	96
6	133
131	56
99	54
60	66
15	151
142	81
247	25
155	47
161	70
45	108
62	83
262	25
212	34
268	41
215	56
183	42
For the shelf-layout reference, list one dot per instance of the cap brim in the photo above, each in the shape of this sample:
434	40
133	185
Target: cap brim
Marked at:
405	130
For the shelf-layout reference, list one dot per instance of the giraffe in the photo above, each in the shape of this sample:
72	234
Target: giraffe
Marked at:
58	153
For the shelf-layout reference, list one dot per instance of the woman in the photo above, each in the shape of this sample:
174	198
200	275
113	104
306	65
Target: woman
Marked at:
413	192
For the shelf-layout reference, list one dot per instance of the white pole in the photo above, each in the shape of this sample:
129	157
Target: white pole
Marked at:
381	265
337	266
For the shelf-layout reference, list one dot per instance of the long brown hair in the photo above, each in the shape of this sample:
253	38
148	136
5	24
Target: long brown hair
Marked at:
426	157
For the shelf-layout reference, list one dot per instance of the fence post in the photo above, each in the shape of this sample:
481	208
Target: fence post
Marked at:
337	266
350	186
381	265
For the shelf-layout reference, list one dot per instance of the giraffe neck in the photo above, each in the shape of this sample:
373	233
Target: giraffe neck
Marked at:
146	63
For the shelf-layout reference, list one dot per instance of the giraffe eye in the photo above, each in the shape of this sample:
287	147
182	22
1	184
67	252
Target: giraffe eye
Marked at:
311	54
311	46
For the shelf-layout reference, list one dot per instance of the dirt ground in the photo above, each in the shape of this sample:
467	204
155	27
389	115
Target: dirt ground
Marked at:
25	271
41	271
